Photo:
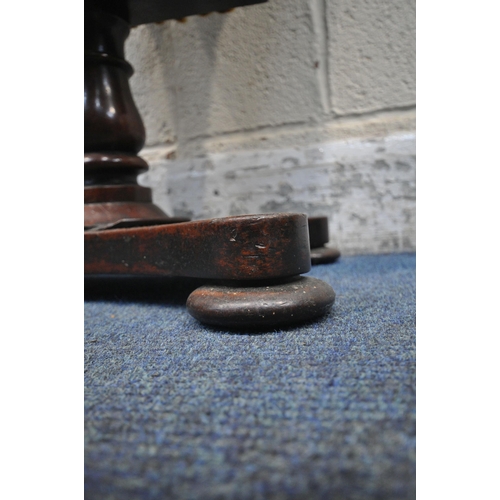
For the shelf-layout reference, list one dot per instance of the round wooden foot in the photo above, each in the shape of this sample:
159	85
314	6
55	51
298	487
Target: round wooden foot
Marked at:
324	255
243	306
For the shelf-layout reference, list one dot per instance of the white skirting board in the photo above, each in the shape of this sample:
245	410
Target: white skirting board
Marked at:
366	188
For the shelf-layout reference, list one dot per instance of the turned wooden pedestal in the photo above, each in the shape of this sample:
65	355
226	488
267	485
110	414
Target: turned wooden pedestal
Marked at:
252	263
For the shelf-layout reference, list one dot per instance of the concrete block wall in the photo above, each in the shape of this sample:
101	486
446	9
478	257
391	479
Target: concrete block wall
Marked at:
292	105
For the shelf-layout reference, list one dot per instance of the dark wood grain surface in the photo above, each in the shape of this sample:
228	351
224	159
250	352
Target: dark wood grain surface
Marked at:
248	247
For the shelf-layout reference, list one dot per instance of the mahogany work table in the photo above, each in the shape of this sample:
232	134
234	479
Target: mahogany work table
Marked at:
252	263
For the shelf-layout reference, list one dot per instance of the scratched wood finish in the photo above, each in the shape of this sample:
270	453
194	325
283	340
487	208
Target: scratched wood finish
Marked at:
247	247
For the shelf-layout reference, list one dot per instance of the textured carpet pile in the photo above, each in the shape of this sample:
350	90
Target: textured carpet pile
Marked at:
325	410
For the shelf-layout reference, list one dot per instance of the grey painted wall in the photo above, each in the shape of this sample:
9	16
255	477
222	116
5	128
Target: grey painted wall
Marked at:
328	86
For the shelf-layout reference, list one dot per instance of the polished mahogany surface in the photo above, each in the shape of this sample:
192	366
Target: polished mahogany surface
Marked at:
114	131
112	121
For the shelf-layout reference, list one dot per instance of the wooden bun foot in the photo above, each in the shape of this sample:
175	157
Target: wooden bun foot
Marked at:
324	255
241	305
318	237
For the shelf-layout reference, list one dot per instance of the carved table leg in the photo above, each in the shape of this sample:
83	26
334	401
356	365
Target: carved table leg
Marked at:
114	132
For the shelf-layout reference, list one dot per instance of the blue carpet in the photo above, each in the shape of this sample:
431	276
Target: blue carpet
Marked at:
176	410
